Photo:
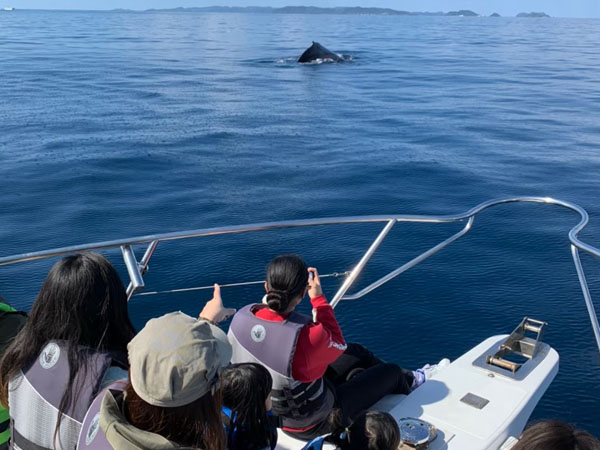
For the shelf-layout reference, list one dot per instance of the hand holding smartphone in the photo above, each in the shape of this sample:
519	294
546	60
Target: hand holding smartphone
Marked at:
314	283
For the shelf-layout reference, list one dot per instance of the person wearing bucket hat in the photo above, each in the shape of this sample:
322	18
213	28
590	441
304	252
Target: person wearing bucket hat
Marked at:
172	398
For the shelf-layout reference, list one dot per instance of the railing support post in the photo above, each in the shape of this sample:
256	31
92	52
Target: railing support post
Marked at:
361	264
137	280
413	262
142	268
586	294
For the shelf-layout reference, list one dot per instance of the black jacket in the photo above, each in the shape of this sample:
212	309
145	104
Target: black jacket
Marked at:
11	323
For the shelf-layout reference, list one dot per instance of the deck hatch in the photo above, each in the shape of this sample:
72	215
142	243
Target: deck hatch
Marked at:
474	400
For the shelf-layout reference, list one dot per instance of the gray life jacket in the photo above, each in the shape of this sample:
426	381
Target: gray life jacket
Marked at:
91	436
273	344
35	395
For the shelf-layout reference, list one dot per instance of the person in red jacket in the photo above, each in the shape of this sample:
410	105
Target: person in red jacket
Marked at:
320	342
311	364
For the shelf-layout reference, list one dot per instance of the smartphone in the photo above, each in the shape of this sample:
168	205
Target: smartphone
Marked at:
311	275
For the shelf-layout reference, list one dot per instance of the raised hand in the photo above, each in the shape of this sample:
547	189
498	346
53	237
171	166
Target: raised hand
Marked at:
314	283
214	309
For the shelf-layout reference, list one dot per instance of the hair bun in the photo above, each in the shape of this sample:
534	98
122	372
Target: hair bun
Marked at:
277	300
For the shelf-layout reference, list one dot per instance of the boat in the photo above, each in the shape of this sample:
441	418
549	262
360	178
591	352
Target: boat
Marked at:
8	8
481	401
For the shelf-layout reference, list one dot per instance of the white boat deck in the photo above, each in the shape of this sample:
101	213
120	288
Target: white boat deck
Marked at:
510	400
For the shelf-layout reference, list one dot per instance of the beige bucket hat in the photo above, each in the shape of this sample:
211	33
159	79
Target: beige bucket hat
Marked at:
176	359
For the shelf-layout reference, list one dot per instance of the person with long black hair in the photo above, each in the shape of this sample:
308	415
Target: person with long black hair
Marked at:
298	350
73	344
249	422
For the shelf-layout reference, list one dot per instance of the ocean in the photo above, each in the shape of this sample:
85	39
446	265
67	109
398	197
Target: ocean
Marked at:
118	124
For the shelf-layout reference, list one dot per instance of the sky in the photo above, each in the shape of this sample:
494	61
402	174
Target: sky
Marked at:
555	8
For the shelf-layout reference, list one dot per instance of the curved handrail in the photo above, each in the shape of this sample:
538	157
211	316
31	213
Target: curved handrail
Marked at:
203	232
573	237
137	269
403	268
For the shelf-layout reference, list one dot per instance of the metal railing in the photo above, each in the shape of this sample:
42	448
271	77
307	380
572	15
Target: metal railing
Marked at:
137	269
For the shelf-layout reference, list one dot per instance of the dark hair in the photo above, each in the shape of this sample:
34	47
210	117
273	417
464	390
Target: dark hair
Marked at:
245	389
287	278
82	302
196	425
372	430
554	435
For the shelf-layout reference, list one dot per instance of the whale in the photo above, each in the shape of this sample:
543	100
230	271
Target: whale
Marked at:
317	51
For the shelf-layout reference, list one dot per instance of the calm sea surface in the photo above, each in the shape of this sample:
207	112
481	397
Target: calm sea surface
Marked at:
116	124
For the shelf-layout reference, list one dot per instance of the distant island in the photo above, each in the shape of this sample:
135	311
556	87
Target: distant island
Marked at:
533	14
350	10
462	13
356	10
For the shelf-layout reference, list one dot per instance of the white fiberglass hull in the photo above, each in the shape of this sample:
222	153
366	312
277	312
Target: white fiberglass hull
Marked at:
462	426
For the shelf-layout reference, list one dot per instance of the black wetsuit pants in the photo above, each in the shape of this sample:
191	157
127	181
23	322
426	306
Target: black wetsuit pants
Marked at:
359	379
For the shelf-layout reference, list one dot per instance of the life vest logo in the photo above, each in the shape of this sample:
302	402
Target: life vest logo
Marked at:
50	355
258	333
92	430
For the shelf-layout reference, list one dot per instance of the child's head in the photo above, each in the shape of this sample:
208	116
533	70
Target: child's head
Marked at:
245	387
372	430
554	435
246	390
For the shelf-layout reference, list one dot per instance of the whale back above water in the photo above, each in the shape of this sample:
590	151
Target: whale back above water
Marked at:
317	51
